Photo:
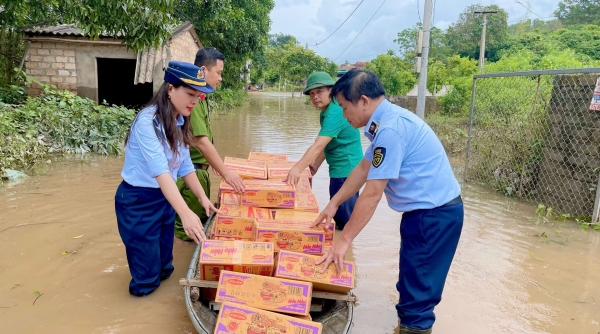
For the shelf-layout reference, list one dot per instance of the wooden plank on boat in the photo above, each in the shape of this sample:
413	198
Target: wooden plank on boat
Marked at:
315	306
316	294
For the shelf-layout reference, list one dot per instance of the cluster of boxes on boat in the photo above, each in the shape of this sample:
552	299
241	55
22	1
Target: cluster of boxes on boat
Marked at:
263	251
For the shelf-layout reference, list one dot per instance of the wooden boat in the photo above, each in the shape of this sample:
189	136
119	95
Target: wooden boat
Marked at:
335	315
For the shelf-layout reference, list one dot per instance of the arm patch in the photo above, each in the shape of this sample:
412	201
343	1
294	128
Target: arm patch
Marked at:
378	156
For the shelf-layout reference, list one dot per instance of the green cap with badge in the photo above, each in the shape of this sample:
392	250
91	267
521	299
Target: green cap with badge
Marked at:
316	80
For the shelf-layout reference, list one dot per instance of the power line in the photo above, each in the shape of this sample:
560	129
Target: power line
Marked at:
528	9
340	24
360	31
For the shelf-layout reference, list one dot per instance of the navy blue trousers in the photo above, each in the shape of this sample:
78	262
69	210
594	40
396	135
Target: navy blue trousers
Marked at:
345	210
146	223
428	242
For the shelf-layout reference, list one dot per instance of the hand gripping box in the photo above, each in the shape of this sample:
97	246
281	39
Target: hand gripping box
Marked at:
290	236
302	267
265	293
239	256
267	157
305	218
234	227
241	319
280	170
247	169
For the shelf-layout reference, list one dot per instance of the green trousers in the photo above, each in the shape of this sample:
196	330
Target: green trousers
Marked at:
192	201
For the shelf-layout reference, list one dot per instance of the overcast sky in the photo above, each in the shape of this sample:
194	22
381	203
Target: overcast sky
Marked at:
313	20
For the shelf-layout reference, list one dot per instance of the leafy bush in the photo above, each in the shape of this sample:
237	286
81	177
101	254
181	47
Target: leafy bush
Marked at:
59	122
227	98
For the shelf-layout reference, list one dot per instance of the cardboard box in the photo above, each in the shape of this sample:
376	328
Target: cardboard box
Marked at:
265	293
327	245
280	170
303	317
304	186
234	227
305	219
230	199
240	256
247	169
267	157
240	319
245	211
290	236
307	202
269	195
302	267
218	237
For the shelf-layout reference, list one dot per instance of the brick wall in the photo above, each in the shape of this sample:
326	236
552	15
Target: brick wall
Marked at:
183	48
52	63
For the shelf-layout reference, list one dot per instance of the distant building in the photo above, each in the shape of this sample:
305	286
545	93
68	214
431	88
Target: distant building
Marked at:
347	67
103	69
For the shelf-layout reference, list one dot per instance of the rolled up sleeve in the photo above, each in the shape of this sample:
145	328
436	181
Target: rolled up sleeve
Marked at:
186	164
150	146
386	154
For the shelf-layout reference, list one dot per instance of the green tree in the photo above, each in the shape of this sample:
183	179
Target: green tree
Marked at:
238	28
396	74
464	36
281	40
572	12
407	41
142	23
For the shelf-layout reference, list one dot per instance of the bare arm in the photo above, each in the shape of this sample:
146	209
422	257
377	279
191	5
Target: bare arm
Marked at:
191	222
314	167
212	156
311	154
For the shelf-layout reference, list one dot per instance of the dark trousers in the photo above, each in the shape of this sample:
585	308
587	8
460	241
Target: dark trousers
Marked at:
146	225
345	210
428	242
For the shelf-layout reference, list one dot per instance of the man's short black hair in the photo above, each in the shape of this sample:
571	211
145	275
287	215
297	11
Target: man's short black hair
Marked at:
356	83
208	57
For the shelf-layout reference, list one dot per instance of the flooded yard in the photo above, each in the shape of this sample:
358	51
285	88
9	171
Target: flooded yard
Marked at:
59	237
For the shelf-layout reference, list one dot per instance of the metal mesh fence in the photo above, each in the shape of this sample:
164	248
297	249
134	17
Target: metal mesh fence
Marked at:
536	135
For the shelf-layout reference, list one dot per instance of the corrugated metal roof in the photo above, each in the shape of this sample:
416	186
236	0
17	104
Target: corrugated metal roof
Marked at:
72	30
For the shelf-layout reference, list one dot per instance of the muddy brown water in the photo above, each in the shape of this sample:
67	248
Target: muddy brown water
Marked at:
58	236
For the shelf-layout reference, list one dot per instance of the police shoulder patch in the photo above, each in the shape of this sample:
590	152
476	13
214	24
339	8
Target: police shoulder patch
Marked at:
378	156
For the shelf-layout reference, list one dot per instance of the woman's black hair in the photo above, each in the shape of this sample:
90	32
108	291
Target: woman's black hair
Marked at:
166	119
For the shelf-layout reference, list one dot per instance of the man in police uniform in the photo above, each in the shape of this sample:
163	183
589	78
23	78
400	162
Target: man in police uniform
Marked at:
406	161
204	154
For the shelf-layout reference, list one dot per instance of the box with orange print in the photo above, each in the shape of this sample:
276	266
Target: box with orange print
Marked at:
303	267
247	169
291	236
239	256
267	157
241	319
266	293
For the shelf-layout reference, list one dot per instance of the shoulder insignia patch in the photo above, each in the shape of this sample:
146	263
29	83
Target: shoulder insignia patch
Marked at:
373	128
378	156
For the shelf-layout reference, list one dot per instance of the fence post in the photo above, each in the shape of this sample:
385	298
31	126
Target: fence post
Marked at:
470	128
596	204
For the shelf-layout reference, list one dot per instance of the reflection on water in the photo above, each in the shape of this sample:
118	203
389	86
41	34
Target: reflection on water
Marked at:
505	277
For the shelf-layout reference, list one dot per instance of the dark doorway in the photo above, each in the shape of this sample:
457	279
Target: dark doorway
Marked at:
115	84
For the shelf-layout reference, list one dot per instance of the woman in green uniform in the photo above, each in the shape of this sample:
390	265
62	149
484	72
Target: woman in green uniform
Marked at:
337	142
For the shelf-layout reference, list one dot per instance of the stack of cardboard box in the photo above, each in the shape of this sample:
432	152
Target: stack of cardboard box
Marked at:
263	251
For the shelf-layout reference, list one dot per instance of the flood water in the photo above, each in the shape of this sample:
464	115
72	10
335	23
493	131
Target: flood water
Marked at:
58	236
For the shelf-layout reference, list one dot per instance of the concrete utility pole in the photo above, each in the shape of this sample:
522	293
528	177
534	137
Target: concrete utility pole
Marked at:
482	49
422	88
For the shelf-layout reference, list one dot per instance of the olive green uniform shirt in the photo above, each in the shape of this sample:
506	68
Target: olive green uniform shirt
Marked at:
200	121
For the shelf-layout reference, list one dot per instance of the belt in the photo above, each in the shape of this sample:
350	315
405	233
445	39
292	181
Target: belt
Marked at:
456	200
201	166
